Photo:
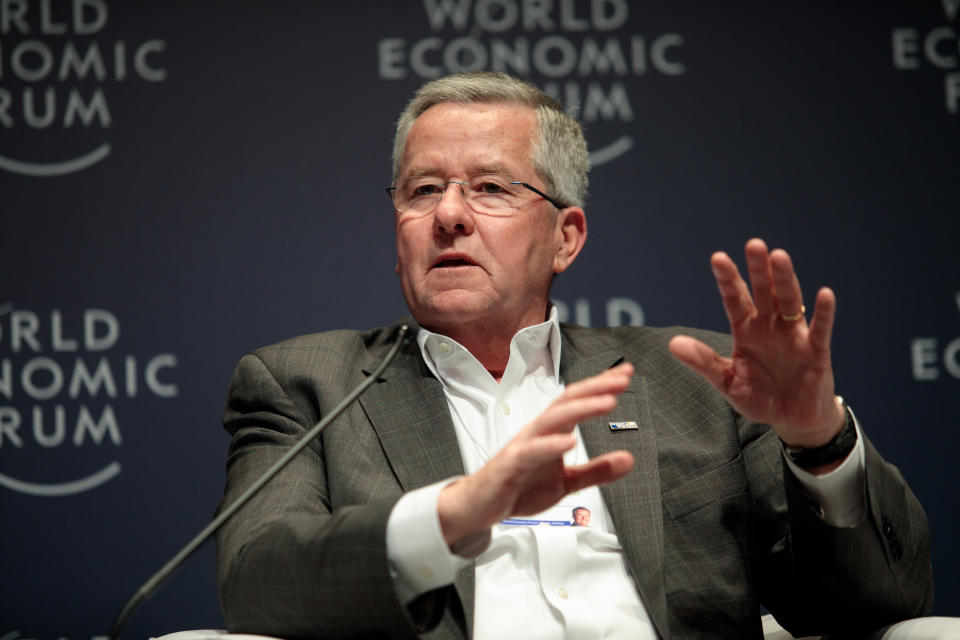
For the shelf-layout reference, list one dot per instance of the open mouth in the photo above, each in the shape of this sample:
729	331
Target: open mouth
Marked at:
453	261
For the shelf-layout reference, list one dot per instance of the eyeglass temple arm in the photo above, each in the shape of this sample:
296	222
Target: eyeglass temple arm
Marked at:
541	194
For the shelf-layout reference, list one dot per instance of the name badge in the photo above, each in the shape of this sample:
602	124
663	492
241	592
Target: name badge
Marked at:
572	514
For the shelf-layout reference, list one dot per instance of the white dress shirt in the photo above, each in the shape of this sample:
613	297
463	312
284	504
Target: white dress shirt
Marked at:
540	574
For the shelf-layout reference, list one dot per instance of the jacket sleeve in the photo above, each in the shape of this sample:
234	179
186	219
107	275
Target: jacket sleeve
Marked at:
288	563
823	579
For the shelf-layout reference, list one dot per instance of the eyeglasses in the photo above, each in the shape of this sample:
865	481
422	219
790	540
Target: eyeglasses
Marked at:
488	194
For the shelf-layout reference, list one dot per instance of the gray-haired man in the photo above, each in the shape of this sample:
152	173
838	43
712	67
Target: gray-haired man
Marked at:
427	507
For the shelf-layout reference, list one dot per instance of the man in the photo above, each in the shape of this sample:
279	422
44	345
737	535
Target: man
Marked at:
581	517
412	512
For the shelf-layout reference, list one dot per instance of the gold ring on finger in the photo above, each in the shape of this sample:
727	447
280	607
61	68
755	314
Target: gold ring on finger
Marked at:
793	317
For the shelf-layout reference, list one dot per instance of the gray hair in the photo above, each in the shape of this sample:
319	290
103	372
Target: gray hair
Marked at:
559	151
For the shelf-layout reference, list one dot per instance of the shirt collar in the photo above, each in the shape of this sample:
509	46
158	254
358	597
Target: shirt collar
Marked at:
446	357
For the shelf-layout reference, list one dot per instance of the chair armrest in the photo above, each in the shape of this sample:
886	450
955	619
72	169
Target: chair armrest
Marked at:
210	634
773	631
929	628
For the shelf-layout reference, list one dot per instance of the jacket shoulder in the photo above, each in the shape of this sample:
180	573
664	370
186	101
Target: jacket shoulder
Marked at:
339	341
334	357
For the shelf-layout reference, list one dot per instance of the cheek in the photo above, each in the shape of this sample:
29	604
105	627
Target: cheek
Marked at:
538	250
409	245
523	243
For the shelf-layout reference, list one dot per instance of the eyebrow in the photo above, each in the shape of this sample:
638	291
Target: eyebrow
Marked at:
420	172
495	169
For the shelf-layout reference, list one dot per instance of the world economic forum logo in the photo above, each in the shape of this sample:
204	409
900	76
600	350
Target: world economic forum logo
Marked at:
63	379
58	63
933	46
930	357
582	54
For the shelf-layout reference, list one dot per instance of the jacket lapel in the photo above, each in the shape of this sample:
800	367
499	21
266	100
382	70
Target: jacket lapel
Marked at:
633	501
409	412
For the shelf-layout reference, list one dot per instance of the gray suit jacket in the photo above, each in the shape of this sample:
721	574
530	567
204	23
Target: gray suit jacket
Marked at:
710	523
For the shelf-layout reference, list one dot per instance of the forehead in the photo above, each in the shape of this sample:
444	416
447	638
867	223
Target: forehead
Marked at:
459	139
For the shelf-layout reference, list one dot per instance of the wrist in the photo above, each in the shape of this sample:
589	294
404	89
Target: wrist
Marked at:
447	513
816	436
458	520
828	456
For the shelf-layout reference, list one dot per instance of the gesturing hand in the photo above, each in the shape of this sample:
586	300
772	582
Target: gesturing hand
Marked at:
528	474
780	371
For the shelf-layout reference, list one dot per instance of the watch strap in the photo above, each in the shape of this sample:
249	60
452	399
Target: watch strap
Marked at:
837	449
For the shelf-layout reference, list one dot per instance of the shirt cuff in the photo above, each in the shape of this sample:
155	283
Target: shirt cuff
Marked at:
838	496
419	558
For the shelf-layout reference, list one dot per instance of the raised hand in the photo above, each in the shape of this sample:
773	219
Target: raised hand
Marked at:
528	474
780	371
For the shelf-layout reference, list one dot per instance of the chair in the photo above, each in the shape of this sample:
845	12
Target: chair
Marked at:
930	628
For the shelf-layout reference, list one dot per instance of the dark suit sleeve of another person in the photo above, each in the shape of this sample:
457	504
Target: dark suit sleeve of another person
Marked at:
306	557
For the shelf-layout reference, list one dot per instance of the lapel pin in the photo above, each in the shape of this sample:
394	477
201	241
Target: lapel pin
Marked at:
623	426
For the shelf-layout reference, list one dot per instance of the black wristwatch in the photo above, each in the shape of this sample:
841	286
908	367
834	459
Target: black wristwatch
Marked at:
837	449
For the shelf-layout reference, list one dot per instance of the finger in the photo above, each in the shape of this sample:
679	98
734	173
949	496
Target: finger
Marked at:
537	452
785	284
563	415
587	398
702	359
614	380
821	324
600	470
733	290
761	279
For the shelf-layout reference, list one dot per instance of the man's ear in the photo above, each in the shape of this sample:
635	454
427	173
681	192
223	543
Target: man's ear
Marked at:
571	235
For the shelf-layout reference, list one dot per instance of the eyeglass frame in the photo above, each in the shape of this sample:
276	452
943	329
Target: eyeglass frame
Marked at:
527	185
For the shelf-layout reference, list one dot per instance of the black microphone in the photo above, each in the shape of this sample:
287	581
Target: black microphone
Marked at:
151	585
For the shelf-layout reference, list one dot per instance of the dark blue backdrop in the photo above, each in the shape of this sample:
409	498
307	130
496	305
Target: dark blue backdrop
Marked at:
182	182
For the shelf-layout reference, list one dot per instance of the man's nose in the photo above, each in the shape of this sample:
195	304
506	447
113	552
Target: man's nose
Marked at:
453	214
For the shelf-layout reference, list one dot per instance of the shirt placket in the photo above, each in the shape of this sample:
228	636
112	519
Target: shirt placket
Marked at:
556	559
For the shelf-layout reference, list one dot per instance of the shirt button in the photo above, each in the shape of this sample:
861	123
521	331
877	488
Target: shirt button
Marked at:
445	347
426	572
506	409
563	593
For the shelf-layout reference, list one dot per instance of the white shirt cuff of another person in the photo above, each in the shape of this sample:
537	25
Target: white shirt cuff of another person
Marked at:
419	558
839	494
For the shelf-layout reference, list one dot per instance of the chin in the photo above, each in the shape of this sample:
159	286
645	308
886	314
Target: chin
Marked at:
452	307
